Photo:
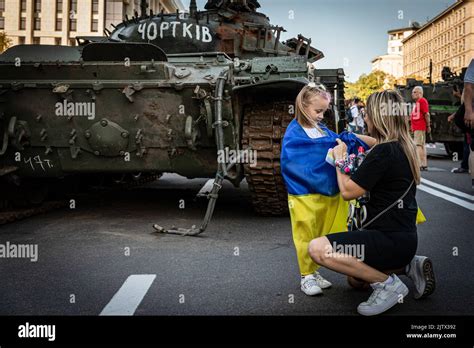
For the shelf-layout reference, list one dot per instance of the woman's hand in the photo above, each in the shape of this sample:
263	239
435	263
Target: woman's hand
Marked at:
340	151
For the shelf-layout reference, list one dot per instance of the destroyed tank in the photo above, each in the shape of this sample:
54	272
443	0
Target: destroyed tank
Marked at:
188	93
442	103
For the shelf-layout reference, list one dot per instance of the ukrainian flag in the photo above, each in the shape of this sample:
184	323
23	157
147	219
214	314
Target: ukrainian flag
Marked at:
315	204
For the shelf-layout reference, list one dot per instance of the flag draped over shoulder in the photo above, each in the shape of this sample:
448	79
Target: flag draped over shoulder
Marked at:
303	160
316	207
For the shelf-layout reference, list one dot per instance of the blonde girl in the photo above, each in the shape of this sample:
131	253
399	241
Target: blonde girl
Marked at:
315	204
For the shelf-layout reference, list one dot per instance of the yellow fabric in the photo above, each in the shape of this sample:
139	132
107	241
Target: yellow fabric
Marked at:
314	216
420	218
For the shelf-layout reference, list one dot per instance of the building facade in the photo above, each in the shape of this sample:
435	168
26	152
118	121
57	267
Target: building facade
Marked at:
446	40
389	63
392	62
58	22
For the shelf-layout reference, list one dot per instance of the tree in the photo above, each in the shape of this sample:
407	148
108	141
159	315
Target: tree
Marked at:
367	84
5	41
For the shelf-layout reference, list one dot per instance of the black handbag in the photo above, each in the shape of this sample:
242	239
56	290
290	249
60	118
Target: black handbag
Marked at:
358	211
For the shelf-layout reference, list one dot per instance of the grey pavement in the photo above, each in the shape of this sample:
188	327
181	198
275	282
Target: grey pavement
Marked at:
243	264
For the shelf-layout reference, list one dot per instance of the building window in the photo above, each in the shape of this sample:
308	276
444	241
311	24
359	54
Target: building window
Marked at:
21	40
73	5
37	6
73	12
72	42
23	6
37	11
95	6
59	24
59	6
22	23
57	41
95	25
113	12
36	41
2	19
37	24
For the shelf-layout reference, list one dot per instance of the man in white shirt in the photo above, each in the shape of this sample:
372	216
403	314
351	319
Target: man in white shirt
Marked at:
353	125
360	123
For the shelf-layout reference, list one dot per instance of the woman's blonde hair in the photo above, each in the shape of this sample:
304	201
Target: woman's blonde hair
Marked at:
384	110
303	100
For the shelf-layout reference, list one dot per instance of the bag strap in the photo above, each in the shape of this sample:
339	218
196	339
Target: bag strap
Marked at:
390	207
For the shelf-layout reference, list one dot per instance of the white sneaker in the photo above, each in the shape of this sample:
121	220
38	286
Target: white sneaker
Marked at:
322	283
384	297
420	271
309	285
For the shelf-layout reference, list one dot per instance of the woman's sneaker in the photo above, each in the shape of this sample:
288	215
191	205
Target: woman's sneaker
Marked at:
322	283
420	271
384	297
309	285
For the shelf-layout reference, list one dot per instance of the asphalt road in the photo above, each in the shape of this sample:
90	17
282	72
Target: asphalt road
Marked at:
104	257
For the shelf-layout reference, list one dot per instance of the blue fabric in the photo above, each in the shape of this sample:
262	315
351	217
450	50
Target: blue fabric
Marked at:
303	160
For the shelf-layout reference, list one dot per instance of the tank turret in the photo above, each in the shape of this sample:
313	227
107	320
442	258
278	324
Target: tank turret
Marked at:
233	27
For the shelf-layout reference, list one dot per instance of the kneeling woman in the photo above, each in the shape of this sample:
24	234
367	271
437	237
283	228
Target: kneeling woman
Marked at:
389	174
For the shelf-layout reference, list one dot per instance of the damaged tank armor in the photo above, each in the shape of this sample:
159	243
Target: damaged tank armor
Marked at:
169	92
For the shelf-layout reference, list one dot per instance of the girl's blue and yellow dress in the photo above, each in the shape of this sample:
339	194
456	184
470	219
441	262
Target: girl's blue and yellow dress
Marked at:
315	204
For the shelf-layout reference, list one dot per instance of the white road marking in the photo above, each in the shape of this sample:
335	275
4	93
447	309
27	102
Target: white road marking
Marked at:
447	197
206	188
447	189
127	299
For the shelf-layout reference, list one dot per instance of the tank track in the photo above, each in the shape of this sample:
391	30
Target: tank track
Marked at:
263	130
146	179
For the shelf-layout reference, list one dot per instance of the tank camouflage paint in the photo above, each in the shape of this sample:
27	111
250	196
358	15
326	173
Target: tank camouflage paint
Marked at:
161	93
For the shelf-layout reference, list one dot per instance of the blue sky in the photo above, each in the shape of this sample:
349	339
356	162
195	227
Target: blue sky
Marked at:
349	32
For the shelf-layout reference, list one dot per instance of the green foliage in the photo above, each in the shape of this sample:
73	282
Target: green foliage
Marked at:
5	41
367	84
